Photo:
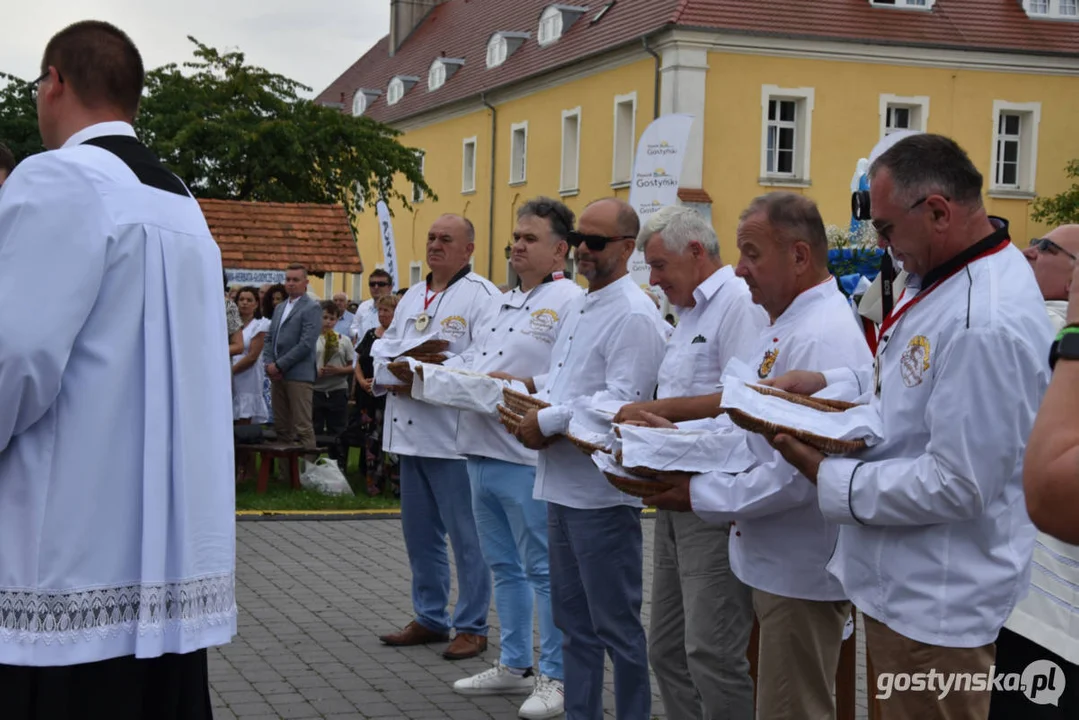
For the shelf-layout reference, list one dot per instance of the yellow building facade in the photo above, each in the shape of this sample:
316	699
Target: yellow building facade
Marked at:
771	114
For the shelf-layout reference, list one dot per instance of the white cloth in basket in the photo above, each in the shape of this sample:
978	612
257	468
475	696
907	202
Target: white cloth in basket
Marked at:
456	388
692	451
606	463
862	422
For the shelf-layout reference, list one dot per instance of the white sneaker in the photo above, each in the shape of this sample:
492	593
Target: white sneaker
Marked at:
546	701
499	680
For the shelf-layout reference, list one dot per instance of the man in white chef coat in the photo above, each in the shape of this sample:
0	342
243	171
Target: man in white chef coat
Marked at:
117	526
515	339
608	350
436	497
780	542
702	615
935	544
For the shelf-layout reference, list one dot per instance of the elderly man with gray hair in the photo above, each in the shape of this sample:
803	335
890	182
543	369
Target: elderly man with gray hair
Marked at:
702	615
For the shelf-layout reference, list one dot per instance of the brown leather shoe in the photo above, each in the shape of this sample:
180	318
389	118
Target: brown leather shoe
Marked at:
464	646
413	634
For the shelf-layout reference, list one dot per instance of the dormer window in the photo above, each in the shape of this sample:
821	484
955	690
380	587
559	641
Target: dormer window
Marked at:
1058	9
555	20
905	4
362	100
502	45
442	70
398	87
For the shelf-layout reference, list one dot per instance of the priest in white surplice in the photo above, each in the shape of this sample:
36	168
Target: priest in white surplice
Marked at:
117	529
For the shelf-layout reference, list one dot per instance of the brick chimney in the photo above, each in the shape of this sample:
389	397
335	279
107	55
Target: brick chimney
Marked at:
405	16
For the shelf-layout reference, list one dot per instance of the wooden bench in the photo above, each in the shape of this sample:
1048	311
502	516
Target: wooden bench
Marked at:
269	452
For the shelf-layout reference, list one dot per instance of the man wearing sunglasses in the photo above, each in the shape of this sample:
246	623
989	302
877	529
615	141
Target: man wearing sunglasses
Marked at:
1052	258
608	351
379	283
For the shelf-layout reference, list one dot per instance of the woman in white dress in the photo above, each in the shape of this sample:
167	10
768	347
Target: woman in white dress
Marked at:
248	402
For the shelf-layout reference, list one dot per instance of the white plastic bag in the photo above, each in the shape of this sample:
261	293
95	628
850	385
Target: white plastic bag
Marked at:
325	477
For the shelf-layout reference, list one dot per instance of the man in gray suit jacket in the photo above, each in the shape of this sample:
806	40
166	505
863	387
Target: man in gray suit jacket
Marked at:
289	354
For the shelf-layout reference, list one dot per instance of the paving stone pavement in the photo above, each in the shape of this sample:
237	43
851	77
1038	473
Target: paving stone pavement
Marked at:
313	598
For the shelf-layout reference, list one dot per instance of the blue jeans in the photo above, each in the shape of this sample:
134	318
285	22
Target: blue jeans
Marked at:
435	500
513	535
596	575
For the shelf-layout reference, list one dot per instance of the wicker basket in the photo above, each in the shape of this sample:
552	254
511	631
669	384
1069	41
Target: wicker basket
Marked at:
435	359
637	488
649	472
401	371
521	403
828	446
810	402
586	447
509	419
430	347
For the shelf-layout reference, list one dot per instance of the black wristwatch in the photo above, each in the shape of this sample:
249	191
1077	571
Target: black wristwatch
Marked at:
1066	346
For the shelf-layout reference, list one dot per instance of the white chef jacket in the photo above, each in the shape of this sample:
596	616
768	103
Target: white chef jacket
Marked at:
117	496
723	324
781	542
609	348
936	542
1049	614
416	428
366	318
516	336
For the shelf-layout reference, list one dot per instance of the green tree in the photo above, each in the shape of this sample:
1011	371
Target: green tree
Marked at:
1064	208
234	131
18	117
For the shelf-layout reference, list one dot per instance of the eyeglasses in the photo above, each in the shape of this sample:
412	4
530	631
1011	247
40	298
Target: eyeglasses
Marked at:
1046	245
884	232
595	243
377	283
35	85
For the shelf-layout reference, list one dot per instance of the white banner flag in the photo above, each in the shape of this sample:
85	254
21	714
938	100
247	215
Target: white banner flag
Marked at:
656	172
389	248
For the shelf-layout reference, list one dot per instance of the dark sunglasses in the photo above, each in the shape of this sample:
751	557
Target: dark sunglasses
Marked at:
595	243
1046	245
377	283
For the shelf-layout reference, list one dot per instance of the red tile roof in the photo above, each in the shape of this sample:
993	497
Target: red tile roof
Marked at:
462	28
269	236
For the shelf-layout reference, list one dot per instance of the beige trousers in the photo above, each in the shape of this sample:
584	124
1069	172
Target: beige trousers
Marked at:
292	412
892	653
799	655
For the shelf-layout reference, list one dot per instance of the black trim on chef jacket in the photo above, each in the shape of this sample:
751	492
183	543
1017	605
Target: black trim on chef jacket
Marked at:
850	493
461	274
141	161
988	243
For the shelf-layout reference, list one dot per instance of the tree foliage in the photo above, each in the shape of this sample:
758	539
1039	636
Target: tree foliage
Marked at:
1062	209
235	131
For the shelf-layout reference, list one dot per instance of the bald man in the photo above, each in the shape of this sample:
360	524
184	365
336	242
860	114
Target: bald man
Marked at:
1052	258
341	301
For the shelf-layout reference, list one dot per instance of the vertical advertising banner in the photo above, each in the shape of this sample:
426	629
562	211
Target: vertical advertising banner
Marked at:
656	172
389	248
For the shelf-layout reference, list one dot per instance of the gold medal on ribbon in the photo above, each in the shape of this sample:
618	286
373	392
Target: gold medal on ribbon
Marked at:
423	321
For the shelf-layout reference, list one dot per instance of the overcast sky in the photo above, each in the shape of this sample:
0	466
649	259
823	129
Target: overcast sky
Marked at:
312	41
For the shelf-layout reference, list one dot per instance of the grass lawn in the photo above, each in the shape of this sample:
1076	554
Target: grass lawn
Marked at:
280	496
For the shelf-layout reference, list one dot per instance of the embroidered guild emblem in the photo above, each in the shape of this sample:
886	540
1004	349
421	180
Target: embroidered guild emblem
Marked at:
454	328
767	363
542	326
914	362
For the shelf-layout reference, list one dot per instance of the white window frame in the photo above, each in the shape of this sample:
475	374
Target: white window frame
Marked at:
921	5
1052	10
468	183
803	135
497	50
552	21
359	103
570	178
1031	114
415	273
395	91
518	178
628	142
917	104
418	195
436	75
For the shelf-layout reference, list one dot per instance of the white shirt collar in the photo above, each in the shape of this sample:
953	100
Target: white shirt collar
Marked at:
618	286
819	290
116	127
711	285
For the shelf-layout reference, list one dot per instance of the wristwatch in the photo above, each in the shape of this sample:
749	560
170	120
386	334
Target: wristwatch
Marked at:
1066	346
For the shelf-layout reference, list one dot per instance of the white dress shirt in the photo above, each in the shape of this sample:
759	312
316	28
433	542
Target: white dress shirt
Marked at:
516	336
609	348
365	319
723	324
781	542
936	542
416	428
117	499
1049	614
